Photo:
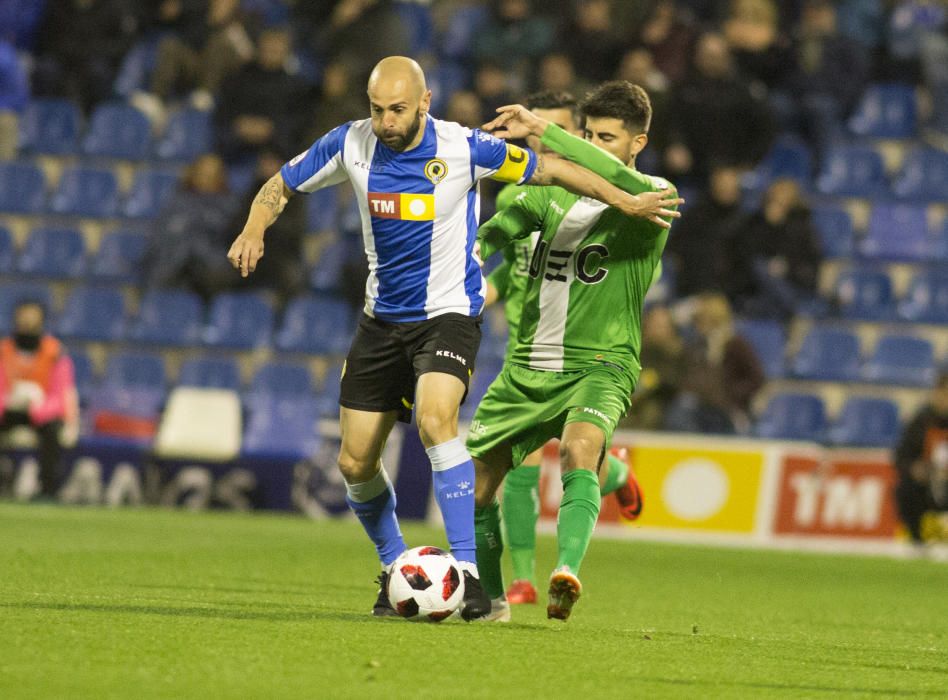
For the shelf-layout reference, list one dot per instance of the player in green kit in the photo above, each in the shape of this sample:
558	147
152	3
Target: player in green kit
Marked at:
575	363
520	505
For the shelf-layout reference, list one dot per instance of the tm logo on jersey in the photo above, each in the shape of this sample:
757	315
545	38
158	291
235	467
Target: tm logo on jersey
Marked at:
406	206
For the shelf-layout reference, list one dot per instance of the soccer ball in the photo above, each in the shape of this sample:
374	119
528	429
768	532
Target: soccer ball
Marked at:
425	584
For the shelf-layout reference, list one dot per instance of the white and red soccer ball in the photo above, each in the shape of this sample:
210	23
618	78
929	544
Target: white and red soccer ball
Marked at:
425	584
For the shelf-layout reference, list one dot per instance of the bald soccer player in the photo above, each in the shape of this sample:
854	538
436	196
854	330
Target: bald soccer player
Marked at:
416	181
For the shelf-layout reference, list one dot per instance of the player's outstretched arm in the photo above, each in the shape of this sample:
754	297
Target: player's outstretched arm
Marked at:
247	248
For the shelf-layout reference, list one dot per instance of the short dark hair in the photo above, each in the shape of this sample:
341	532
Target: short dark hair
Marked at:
619	99
551	99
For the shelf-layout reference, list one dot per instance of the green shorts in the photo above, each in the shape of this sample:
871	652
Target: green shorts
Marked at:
525	408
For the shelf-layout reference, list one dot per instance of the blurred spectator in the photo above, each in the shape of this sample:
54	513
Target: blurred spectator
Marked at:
555	73
662	359
262	104
337	103
514	35
192	230
911	25
492	88
921	458
669	38
715	118
38	390
722	375
826	79
465	108
696	244
205	48
589	38
753	35
638	67
775	255
14	94
79	48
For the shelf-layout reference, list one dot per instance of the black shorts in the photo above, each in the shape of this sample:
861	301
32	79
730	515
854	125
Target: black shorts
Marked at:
386	359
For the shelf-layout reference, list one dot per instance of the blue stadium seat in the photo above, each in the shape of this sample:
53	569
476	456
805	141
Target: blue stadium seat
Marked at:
768	339
22	188
865	294
169	317
328	392
55	253
901	359
853	171
282	379
12	293
91	192
835	229
239	320
886	111
316	325
793	417
464	25
923	176
897	232
93	313
187	136
119	256
7	250
329	269
282	427
321	211
117	130
866	422
827	354
84	373
790	156
210	373
149	193
417	18
50	125
927	298
135	370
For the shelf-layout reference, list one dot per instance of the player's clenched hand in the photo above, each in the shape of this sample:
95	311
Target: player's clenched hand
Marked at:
654	206
246	251
516	122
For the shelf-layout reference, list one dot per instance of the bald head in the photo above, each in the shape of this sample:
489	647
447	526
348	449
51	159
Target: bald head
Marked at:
399	100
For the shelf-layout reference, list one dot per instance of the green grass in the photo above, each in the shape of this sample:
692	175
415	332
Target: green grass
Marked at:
146	603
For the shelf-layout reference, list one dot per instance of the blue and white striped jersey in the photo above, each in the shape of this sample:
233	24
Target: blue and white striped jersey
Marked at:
419	210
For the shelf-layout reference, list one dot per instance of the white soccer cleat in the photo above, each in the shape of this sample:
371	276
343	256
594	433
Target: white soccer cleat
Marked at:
499	610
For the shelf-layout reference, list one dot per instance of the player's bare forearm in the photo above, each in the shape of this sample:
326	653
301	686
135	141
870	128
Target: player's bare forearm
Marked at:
247	249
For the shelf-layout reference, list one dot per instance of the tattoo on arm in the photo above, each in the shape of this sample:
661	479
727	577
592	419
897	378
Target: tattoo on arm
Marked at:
269	195
540	174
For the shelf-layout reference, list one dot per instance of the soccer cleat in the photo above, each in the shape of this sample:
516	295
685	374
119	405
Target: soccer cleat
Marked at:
382	607
476	602
521	592
629	495
499	611
565	590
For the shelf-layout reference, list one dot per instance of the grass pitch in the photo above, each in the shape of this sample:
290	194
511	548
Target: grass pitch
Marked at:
162	604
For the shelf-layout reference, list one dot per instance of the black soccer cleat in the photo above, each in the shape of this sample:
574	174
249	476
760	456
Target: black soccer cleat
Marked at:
383	607
476	602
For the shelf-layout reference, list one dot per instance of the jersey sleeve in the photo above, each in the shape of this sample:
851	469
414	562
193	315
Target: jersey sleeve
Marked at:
518	220
494	158
320	165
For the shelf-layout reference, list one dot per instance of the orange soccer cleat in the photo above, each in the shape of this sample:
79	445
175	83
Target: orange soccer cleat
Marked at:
521	592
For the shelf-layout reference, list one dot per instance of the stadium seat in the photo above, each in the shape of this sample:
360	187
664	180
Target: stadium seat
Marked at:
927	298
282	427
768	339
200	424
866	422
327	273
316	325
853	171
22	188
793	417
416	17
239	320
282	379
827	354
897	232
886	111
835	229
119	257
91	192
7	250
321	213
865	294
210	373
169	317
901	359
923	176
93	313
464	24
50	125
789	157
117	130
187	136
149	193
327	394
12	293
84	373
56	253
135	370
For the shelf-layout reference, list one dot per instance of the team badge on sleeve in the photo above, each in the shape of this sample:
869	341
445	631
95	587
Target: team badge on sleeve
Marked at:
436	170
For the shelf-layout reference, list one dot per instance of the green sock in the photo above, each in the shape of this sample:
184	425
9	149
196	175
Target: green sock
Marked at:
617	472
490	546
521	508
579	510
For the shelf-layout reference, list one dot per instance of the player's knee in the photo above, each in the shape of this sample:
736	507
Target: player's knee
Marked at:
434	428
580	453
356	468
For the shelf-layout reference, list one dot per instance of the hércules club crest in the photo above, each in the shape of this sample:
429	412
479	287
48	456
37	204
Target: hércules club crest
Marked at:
436	170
